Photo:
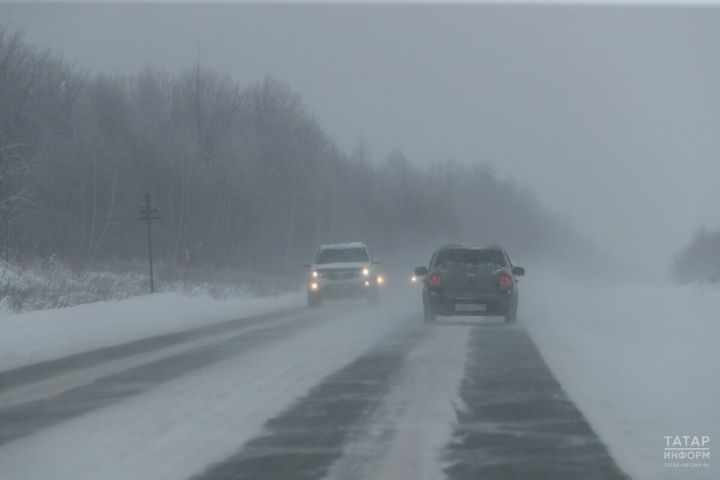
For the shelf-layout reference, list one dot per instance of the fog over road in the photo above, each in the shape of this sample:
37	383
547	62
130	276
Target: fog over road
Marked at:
348	391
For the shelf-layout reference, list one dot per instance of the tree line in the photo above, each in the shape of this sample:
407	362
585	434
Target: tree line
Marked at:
244	175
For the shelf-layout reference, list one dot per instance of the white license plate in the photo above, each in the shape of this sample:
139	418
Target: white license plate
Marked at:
469	307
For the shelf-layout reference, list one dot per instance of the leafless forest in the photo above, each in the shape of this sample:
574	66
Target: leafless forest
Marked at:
243	174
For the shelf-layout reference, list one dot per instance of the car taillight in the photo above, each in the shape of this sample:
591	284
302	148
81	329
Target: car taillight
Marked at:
434	280
505	281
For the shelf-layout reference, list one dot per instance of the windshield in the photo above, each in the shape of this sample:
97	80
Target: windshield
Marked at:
341	255
461	257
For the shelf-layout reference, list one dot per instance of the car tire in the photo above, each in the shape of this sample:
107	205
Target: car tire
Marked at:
374	297
314	301
511	315
428	315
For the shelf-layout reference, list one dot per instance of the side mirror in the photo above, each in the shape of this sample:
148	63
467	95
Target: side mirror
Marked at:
519	271
306	264
421	271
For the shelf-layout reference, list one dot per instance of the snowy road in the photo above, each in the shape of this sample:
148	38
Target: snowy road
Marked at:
348	391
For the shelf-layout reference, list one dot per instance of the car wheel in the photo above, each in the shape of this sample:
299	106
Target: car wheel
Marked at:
314	301
428	315
511	316
374	297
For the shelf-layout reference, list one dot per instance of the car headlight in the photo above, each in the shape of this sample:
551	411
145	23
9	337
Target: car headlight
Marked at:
365	272
380	280
315	274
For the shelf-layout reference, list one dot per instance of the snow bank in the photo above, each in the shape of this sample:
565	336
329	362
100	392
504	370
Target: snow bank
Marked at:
49	283
640	362
47	334
45	283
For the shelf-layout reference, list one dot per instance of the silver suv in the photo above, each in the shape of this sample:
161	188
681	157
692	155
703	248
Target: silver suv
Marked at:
342	270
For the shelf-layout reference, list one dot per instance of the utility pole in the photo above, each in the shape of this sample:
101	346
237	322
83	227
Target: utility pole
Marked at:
149	215
6	215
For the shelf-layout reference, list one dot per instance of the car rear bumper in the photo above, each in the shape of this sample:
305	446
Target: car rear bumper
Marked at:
488	304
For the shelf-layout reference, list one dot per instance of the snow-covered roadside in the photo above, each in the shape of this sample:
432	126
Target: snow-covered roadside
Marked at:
47	334
640	362
179	428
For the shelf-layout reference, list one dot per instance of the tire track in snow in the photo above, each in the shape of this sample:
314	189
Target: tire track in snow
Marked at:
47	369
405	435
178	428
518	423
304	441
23	419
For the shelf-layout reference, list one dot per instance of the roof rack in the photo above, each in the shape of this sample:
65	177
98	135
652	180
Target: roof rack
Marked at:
465	245
343	245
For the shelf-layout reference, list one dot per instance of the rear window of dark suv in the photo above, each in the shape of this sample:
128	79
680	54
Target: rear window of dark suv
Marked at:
342	255
461	257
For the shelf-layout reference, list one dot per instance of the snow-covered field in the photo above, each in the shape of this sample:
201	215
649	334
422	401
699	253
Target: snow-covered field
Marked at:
47	334
639	361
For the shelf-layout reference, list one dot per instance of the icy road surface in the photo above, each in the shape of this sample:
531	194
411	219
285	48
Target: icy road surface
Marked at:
349	391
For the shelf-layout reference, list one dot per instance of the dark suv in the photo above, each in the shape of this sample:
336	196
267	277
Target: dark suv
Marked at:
465	280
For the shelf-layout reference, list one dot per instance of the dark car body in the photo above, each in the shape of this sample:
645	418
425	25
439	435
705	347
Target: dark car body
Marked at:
466	280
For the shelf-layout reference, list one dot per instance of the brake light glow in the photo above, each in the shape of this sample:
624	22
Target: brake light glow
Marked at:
435	280
505	281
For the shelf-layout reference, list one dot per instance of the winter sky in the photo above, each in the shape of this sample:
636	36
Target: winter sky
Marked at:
609	114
